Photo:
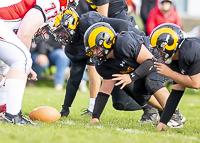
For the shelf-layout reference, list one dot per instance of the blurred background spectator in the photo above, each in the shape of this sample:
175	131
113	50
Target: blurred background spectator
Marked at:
164	12
83	83
46	54
146	7
131	6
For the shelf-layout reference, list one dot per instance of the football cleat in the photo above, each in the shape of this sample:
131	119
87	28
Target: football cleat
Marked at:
182	118
64	112
175	121
2	111
86	112
18	119
149	115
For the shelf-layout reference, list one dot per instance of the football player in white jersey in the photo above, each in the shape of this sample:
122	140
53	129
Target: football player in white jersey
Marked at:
19	20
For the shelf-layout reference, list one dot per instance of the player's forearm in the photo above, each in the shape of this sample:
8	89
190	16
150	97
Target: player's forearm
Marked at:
100	104
103	9
183	80
171	105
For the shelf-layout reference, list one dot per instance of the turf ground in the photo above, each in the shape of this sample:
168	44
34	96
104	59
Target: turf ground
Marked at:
115	126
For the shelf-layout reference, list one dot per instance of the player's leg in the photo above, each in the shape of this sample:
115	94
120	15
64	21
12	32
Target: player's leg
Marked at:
4	68
76	74
154	84
121	101
94	86
150	113
17	56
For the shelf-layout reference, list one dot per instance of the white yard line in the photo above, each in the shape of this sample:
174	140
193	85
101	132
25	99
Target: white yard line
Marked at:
135	131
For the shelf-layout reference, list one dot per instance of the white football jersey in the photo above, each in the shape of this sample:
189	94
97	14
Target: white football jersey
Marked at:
13	11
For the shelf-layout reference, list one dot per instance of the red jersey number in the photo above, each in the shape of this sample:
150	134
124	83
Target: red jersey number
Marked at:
52	8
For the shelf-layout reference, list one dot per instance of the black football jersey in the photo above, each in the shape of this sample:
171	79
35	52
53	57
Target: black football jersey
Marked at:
75	49
126	51
116	7
189	57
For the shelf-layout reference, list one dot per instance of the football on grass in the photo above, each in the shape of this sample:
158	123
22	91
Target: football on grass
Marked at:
45	114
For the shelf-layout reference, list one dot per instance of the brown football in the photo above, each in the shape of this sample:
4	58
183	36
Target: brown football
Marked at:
45	114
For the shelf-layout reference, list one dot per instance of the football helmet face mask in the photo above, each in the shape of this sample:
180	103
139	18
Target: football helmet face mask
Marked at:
66	25
166	38
42	34
98	40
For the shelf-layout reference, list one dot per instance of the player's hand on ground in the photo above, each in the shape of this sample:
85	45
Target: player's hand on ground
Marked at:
32	75
94	121
162	69
161	127
123	79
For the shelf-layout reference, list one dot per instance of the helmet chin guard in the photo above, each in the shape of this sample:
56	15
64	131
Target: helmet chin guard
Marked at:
42	34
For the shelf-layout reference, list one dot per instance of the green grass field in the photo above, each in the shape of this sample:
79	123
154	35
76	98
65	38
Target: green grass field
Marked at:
114	127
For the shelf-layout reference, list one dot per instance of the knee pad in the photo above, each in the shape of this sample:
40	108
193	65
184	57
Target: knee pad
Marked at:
118	106
153	85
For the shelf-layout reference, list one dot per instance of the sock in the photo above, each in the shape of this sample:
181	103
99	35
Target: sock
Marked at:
2	81
91	104
2	95
14	90
160	113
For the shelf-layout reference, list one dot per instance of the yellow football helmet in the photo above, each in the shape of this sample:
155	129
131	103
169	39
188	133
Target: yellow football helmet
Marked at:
166	38
99	34
66	25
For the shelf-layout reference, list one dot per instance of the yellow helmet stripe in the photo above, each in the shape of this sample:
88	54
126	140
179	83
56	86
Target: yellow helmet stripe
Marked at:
57	20
95	32
75	17
59	17
160	31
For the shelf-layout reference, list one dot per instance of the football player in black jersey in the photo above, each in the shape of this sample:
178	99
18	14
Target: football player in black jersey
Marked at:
75	50
182	55
111	8
122	59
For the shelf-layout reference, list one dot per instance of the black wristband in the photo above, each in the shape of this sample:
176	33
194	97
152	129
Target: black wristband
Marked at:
144	69
100	104
170	107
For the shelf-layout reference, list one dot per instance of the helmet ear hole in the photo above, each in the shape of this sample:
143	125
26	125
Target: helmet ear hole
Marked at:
100	42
